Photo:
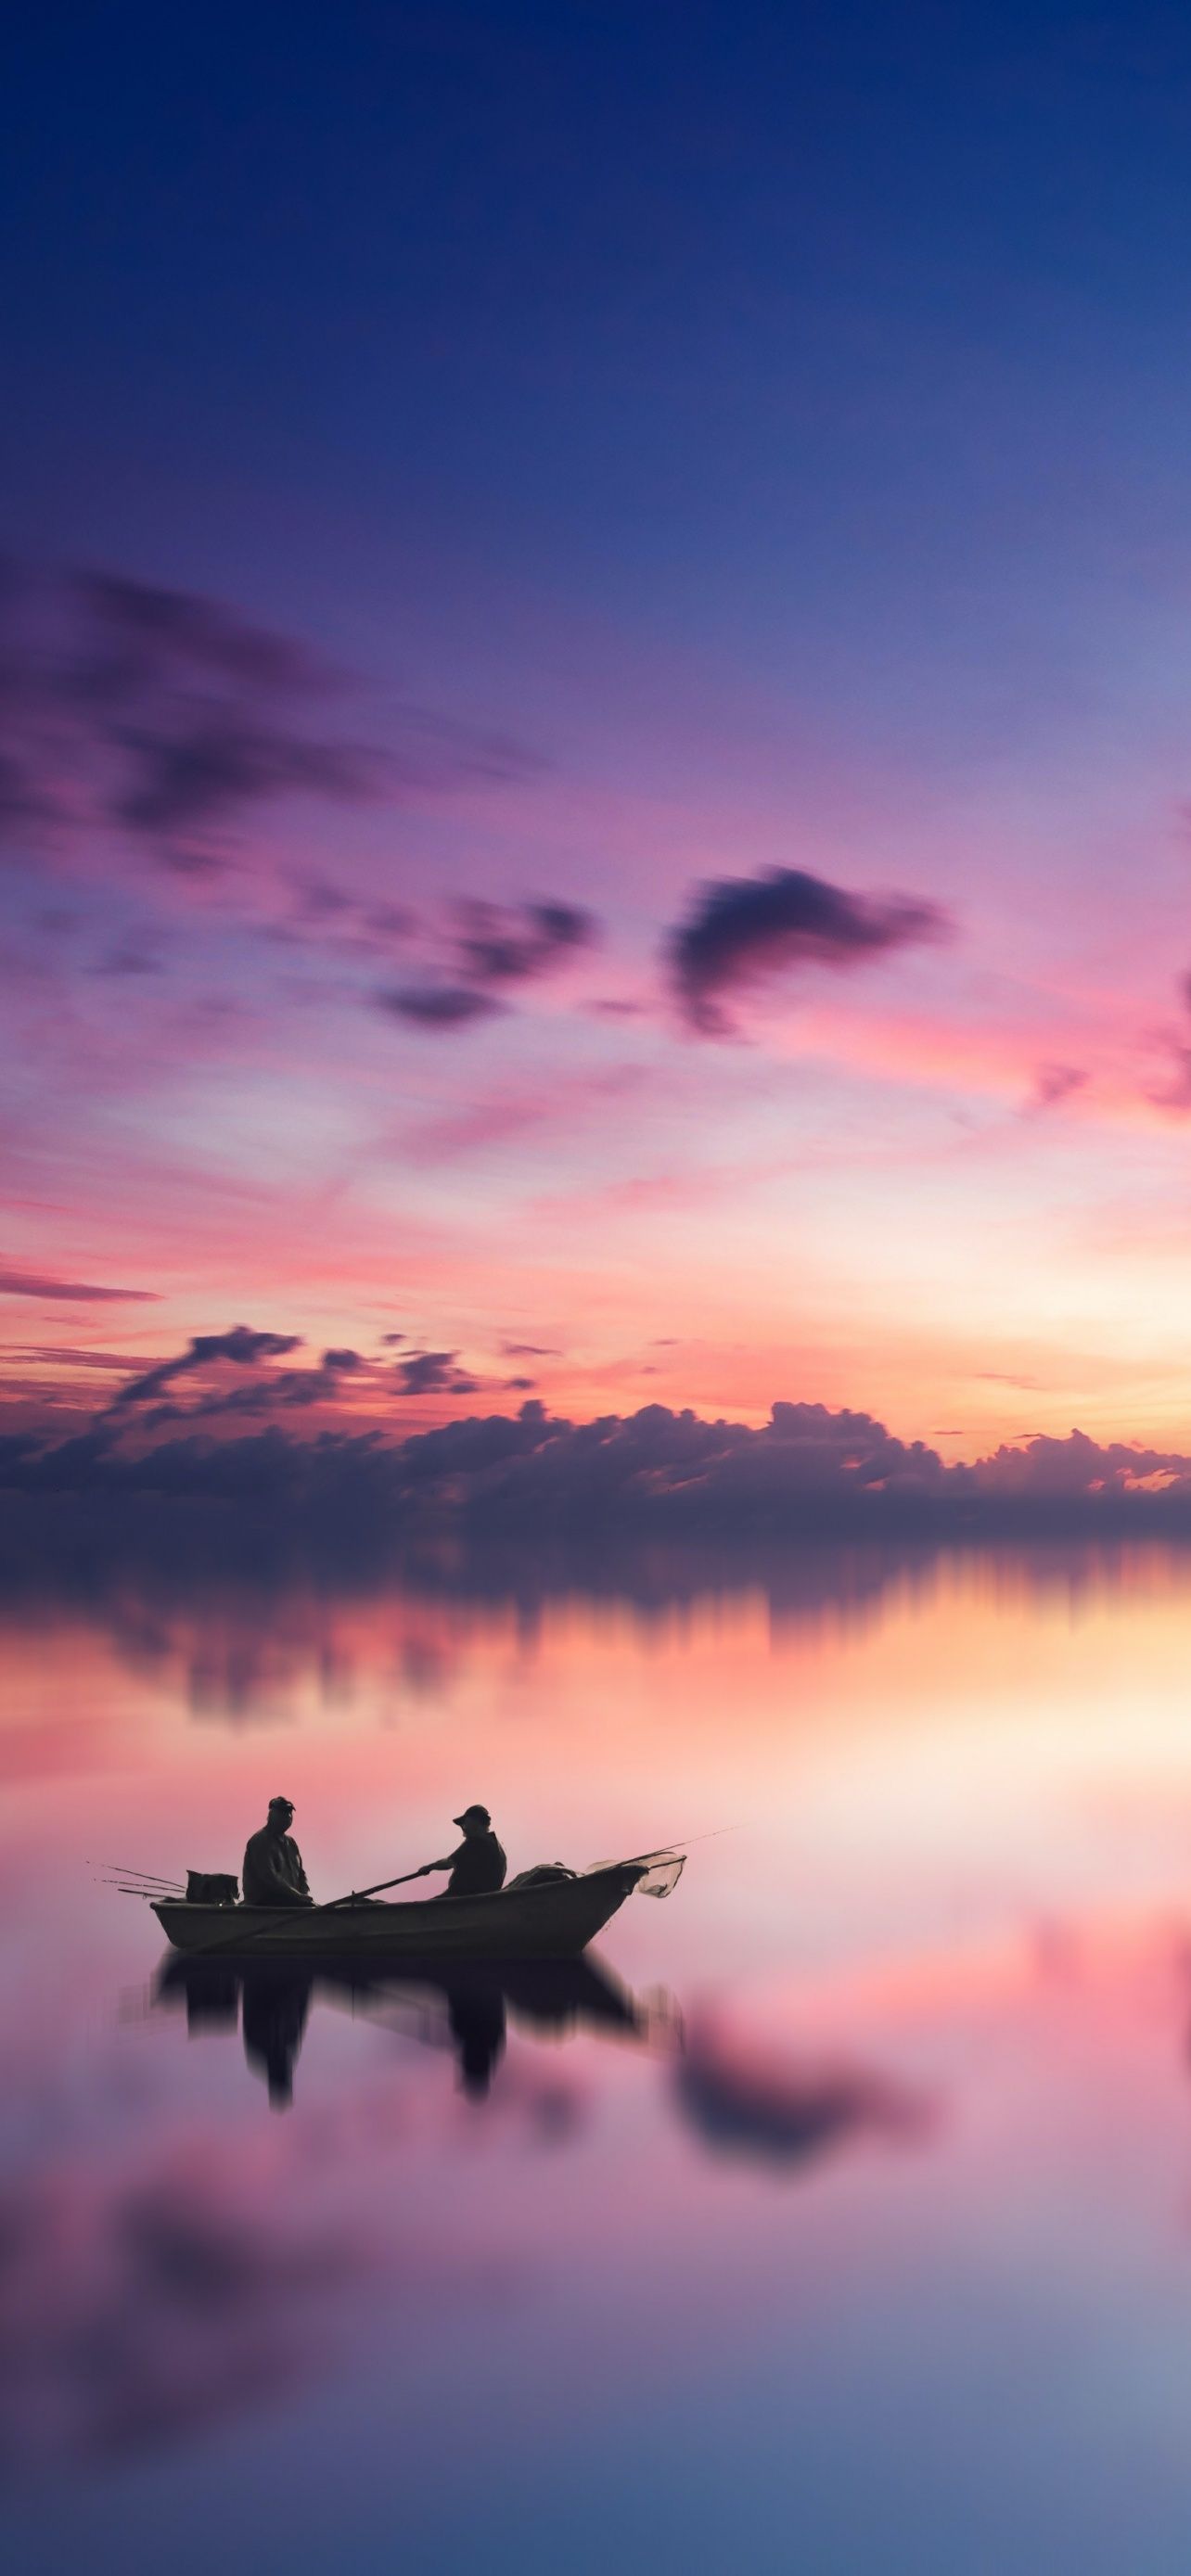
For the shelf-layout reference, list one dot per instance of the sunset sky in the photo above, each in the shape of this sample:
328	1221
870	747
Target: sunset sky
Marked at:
595	712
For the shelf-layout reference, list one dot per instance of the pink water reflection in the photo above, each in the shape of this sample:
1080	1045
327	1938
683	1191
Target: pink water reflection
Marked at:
900	2091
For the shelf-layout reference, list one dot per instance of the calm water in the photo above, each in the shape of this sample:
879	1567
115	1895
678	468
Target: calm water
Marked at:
841	2217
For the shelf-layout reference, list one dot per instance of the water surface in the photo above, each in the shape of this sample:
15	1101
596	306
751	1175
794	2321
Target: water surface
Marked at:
837	2216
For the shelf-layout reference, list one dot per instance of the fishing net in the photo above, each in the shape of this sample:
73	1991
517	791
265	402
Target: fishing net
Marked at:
662	1875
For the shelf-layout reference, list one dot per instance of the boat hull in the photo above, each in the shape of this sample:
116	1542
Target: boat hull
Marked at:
555	1921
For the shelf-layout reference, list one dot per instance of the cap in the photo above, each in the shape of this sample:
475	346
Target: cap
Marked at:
473	1815
281	1802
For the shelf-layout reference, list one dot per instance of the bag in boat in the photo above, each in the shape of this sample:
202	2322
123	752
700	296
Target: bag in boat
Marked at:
211	1887
544	1875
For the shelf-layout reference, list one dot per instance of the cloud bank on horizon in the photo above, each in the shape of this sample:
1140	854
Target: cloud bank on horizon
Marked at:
807	1470
632	806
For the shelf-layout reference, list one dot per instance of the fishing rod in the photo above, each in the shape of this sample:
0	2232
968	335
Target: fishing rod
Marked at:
171	1895
152	1877
130	1879
662	1849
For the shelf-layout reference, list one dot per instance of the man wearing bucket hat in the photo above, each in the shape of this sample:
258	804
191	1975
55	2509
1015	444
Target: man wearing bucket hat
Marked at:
478	1866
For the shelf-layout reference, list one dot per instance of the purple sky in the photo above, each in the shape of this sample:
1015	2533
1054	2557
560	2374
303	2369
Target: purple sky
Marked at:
595	752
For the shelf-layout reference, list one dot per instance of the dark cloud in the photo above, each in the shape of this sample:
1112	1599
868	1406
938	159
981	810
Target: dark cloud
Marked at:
168	717
389	921
242	1346
164	714
1176	1092
274	1391
33	1283
438	1006
316	899
783	2114
434	1373
128	961
135	630
530	1351
807	1473
213	767
1044	1470
267	1391
511	943
742	929
494	946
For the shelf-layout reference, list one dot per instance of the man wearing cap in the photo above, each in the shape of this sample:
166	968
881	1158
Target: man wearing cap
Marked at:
273	1872
478	1866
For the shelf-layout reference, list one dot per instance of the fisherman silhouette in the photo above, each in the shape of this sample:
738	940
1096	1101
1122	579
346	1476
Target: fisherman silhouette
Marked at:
478	1864
273	1872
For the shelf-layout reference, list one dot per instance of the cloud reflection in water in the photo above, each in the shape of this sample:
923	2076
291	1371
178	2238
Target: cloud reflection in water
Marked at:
776	2110
139	2308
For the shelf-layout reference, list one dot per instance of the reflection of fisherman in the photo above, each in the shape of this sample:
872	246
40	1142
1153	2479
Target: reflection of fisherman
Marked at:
478	1865
273	1872
477	2020
275	2009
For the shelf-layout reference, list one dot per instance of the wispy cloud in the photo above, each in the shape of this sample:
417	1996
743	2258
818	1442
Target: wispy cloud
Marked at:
437	1006
168	720
1054	1083
489	949
75	1292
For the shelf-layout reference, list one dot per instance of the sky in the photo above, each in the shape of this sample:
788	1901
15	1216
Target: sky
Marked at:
594	667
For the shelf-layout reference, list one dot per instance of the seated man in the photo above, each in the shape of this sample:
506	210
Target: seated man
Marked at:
273	1872
478	1866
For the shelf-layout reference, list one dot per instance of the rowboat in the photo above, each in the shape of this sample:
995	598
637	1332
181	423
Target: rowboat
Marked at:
554	1920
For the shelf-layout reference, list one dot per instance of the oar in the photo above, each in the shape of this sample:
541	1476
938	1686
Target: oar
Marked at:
212	1949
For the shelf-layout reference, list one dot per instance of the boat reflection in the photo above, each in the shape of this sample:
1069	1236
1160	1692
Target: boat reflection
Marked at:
466	2008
